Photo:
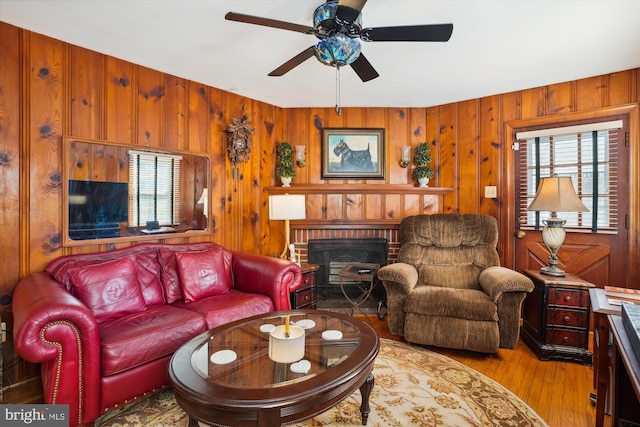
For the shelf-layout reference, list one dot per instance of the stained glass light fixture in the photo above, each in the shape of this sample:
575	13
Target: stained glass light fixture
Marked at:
337	50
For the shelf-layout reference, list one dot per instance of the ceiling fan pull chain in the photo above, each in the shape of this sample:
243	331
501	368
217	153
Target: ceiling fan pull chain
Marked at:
338	110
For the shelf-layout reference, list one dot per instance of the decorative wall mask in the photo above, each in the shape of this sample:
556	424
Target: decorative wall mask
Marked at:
239	146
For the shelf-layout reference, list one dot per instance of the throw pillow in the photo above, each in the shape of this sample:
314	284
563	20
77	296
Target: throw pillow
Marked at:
149	278
169	275
110	290
205	273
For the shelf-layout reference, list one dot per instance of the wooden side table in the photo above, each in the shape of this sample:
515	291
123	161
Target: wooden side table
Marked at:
305	296
601	361
556	317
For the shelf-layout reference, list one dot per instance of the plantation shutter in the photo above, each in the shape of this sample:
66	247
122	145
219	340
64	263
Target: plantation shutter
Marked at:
586	153
154	188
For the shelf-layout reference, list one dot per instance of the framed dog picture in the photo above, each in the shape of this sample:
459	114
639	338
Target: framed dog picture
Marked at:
352	153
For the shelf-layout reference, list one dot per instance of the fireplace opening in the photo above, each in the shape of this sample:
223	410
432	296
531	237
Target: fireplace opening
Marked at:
332	255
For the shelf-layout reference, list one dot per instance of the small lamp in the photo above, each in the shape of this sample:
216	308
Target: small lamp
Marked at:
555	194
406	155
300	160
286	207
204	200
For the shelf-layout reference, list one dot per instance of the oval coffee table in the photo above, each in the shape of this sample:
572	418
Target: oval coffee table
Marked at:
225	377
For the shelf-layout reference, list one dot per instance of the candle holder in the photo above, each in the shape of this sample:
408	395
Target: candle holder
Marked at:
286	348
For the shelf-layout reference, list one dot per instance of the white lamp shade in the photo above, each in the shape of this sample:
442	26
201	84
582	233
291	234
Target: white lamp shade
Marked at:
204	200
556	194
287	206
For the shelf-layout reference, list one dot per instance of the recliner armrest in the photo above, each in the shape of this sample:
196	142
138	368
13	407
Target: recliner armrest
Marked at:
403	274
497	280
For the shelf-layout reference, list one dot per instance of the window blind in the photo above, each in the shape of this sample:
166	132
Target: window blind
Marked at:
589	157
154	188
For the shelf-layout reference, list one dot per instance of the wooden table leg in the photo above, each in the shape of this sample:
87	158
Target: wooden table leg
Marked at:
269	417
365	392
601	371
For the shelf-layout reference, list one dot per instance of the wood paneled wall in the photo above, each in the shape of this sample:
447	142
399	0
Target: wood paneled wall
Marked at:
49	89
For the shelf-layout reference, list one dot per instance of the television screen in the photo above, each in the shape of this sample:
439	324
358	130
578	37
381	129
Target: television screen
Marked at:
96	208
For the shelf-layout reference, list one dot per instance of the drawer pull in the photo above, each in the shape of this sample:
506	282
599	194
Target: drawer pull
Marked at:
567	298
565	339
306	281
567	318
306	297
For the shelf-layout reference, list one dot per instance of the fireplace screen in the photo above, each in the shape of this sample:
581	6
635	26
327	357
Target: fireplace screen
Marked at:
332	255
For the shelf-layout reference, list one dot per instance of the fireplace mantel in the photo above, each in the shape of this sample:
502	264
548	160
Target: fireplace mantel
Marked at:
358	189
431	199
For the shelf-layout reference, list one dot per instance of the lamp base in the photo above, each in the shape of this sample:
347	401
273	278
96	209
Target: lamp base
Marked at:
552	271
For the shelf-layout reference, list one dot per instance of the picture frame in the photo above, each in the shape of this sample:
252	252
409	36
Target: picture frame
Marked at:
353	153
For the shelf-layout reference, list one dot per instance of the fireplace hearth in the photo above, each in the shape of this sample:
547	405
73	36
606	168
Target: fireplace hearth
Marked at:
332	255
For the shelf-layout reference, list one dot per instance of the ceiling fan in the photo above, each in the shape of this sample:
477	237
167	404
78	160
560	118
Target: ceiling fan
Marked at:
338	25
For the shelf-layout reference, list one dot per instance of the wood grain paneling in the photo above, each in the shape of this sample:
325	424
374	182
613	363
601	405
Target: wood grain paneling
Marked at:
50	88
45	109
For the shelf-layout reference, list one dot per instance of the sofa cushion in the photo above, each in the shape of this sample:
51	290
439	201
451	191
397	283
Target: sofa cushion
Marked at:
139	338
148	270
110	289
233	305
204	273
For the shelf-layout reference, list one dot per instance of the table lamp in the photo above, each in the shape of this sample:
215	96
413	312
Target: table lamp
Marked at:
555	194
286	207
204	200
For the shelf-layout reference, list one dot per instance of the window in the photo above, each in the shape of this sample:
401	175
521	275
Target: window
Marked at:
154	188
586	153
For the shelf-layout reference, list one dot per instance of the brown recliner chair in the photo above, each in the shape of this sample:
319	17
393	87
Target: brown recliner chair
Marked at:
448	289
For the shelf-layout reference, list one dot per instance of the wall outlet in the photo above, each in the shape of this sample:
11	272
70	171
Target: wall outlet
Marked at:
490	192
3	327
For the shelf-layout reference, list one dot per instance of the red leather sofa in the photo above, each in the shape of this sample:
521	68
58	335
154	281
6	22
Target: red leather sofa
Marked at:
104	326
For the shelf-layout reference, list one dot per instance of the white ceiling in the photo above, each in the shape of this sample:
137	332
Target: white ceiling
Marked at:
496	46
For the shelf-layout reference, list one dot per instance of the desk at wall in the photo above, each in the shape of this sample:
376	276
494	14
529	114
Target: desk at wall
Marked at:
626	378
601	362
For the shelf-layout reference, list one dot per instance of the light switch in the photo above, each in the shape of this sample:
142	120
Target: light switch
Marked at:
490	192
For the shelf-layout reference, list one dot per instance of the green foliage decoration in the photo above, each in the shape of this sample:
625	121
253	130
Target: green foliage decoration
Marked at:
284	160
422	159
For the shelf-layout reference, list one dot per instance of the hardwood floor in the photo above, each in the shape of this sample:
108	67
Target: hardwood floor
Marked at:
557	391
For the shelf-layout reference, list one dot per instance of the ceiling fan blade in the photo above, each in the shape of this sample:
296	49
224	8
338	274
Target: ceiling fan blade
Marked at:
292	63
364	69
266	22
409	33
348	10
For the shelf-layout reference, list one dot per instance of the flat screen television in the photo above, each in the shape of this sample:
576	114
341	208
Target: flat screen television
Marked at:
97	208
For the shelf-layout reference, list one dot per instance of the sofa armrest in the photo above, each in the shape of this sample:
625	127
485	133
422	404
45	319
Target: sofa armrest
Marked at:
261	274
497	280
54	328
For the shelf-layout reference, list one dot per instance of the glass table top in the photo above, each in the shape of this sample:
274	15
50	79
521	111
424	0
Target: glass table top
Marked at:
242	356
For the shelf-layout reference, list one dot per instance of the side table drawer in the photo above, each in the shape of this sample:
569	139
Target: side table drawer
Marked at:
568	297
559	317
308	280
305	296
566	337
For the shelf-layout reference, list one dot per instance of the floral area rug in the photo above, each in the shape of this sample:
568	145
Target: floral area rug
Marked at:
413	387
